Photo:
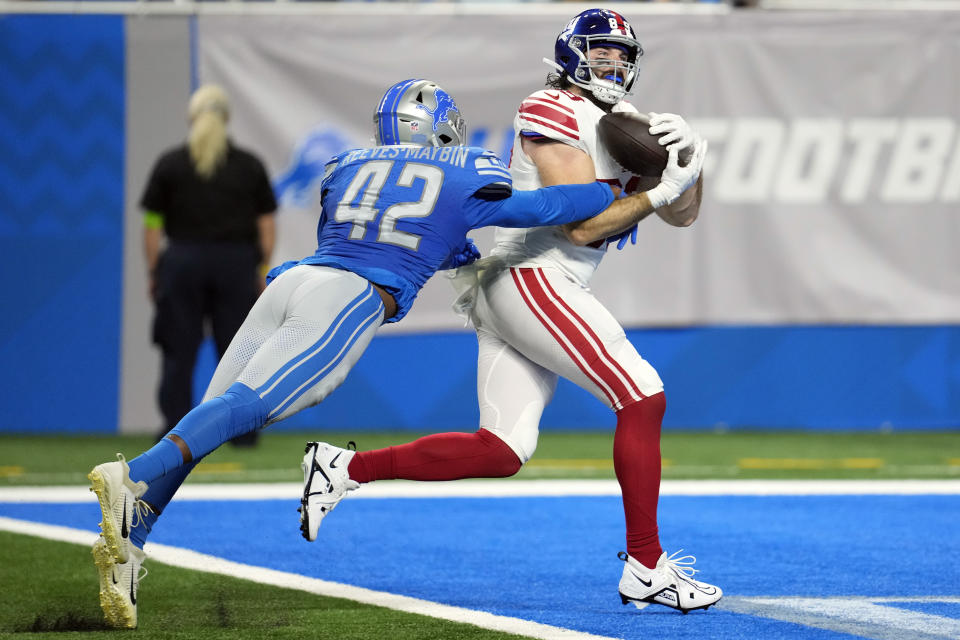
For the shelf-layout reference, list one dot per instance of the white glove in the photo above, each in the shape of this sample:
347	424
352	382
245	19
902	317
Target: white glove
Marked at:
676	179
677	131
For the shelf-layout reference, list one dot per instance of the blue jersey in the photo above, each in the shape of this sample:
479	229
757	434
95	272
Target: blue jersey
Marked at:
397	214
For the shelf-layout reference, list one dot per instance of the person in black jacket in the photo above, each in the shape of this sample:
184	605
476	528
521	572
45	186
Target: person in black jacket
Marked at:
213	203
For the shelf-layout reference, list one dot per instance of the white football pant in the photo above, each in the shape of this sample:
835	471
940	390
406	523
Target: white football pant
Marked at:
534	324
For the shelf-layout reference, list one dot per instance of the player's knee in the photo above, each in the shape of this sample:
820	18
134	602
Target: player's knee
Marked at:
654	405
510	455
510	467
644	381
505	461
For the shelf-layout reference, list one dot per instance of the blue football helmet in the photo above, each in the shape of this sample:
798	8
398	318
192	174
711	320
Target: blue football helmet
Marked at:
594	28
418	112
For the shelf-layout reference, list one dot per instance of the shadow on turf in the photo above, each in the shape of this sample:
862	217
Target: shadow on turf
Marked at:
69	621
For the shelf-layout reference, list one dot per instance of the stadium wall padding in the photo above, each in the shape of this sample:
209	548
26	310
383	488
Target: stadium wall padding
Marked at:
818	378
88	102
61	221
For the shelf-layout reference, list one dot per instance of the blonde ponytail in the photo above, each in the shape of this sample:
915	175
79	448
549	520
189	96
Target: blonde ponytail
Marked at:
209	111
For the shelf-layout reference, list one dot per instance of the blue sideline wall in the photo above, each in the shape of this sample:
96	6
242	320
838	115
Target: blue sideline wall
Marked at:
820	378
61	221
62	115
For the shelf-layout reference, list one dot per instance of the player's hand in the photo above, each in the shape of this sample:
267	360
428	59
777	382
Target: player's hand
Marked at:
676	179
462	257
624	236
677	131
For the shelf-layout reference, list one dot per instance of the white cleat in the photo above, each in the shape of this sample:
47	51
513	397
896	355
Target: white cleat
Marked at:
118	584
325	482
670	583
120	504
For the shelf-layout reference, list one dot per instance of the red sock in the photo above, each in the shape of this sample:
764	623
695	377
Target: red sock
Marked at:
442	456
636	461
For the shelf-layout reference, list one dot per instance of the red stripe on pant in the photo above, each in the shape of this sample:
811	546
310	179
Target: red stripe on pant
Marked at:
636	443
630	385
519	277
581	344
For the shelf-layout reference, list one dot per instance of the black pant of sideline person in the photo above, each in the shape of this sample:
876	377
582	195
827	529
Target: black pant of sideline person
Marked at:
199	281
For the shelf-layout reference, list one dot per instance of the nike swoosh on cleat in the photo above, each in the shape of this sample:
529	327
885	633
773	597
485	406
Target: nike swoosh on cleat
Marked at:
124	532
646	583
133	592
333	463
319	469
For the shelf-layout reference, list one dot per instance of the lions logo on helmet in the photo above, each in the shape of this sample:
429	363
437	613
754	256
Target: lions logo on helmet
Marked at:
418	112
594	28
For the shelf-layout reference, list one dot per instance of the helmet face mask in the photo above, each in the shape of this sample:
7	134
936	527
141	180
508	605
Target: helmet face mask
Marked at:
418	112
589	30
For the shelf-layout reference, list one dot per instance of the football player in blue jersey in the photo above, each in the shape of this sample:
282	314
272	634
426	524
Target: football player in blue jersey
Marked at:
392	216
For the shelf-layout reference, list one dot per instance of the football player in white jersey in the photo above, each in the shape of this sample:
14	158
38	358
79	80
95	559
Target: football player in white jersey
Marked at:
536	319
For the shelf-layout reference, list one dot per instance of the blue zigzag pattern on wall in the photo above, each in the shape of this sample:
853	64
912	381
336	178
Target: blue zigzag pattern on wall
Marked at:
62	120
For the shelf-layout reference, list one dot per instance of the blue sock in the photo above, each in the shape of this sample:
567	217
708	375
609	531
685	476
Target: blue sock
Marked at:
238	411
158	495
161	458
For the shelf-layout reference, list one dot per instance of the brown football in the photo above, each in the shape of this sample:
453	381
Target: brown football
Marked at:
628	139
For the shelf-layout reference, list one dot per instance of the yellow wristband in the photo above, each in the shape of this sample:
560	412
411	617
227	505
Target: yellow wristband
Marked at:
153	220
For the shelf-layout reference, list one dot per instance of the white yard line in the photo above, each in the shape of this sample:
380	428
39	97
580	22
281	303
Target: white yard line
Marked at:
188	559
854	615
516	488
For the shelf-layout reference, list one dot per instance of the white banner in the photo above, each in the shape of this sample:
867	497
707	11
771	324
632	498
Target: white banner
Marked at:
833	181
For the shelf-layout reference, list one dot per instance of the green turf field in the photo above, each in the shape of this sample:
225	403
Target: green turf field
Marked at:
46	460
55	596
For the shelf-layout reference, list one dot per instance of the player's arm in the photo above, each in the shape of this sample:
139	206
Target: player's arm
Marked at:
494	201
559	163
547	206
676	131
685	210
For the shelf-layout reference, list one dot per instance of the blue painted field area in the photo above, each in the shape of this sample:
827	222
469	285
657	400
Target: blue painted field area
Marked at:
553	559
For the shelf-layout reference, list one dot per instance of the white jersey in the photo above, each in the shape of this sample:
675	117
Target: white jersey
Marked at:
571	119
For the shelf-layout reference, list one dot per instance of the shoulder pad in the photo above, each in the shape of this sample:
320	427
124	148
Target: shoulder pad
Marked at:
329	168
489	165
493	180
550	113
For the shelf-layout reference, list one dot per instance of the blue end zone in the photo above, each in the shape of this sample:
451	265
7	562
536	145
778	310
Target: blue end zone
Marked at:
553	560
822	378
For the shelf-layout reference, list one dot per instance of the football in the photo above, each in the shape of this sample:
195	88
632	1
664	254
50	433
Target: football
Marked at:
628	139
